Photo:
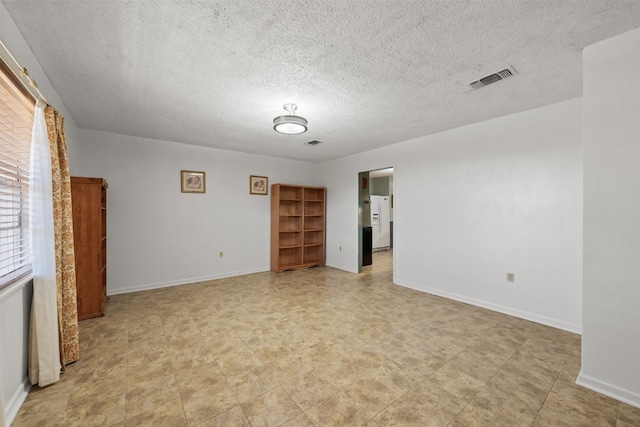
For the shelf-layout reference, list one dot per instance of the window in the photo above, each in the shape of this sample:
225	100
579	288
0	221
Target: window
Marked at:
16	122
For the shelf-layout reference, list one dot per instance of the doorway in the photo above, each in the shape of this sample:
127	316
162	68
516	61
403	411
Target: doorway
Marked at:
375	216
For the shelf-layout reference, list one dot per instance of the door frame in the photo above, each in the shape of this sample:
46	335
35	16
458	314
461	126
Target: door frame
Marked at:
364	201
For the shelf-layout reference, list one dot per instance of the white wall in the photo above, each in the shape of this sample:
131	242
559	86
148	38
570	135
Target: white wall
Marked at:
611	329
15	304
15	301
475	203
158	236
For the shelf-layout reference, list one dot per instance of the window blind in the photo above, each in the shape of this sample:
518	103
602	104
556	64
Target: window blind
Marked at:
16	121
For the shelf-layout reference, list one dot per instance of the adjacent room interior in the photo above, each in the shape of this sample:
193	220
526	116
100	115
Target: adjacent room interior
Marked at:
334	214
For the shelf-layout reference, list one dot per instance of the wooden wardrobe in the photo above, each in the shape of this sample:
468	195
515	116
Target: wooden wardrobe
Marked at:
89	201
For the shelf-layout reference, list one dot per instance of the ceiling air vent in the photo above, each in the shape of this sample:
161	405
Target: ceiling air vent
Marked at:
312	142
492	78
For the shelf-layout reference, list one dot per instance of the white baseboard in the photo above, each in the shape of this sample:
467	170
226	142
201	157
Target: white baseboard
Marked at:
602	387
149	286
495	307
13	406
341	267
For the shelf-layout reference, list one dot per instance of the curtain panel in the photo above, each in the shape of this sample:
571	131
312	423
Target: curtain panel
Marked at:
63	228
53	336
44	345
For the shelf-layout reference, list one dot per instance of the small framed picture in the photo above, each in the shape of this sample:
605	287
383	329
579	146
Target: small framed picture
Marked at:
259	185
192	182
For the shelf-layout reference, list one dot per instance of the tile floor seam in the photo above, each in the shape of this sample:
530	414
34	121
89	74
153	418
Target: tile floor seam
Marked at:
382	411
480	390
545	398
245	415
184	411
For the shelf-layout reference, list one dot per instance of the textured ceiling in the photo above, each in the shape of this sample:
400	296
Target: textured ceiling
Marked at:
365	73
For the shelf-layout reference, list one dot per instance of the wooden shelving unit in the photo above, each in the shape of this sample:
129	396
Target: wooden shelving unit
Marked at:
297	226
89	202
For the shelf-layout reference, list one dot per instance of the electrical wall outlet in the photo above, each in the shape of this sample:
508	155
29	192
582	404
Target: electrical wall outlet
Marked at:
511	277
221	254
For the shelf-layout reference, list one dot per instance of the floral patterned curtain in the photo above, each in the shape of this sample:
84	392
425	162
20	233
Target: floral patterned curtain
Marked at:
63	225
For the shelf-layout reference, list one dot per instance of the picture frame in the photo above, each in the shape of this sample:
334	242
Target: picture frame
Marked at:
258	185
192	181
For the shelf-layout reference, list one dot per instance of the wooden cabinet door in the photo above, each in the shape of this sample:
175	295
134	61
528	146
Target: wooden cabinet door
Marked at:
89	237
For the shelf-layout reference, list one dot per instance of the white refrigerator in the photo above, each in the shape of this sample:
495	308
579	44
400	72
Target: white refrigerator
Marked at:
381	221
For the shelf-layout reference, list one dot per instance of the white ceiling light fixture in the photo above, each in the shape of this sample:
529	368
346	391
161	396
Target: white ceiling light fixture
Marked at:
290	124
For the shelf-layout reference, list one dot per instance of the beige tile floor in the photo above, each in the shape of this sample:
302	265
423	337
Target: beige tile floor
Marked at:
317	347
